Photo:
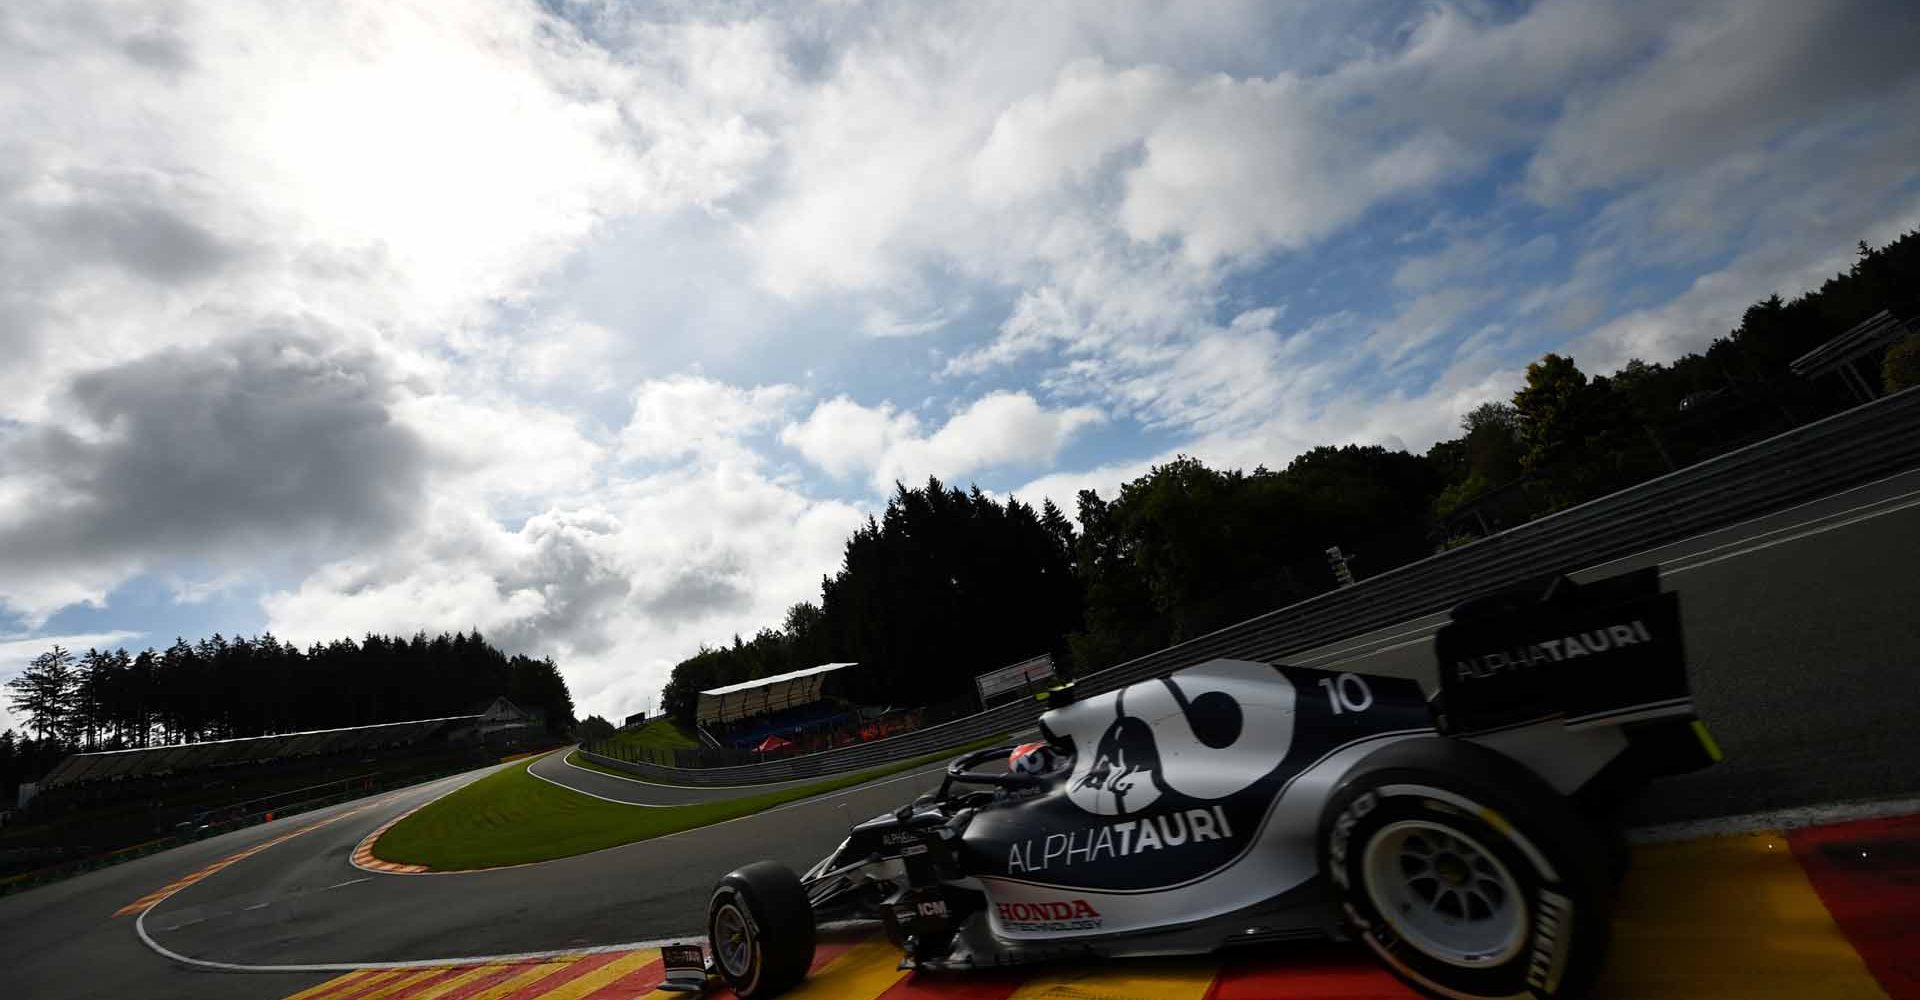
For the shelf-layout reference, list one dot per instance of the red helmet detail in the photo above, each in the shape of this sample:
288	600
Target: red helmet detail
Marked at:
1030	758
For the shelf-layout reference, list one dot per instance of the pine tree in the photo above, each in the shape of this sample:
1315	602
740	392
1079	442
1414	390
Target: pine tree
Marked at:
44	693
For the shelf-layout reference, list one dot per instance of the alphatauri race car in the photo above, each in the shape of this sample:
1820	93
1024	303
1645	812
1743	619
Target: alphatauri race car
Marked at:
1462	837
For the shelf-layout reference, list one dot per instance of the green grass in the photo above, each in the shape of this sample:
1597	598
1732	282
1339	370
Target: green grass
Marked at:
660	734
512	818
574	758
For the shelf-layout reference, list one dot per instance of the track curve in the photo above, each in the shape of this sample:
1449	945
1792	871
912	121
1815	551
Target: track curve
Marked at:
310	906
559	769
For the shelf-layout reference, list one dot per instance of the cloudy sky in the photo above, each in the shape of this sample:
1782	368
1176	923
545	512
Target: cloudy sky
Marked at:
598	325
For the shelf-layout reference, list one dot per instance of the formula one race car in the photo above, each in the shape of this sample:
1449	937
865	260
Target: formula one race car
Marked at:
1461	837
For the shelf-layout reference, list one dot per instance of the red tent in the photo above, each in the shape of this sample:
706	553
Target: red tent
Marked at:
773	743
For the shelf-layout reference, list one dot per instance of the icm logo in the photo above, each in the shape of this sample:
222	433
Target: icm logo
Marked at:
1205	733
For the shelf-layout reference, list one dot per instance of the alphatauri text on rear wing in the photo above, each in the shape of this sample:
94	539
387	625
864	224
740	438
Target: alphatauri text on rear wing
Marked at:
1608	653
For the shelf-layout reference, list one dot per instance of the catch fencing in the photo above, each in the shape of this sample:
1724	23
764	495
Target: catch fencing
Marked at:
1865	443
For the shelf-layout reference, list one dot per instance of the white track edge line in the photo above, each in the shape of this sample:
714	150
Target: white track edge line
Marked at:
435	963
1816	519
1809	533
1793	818
795	804
603	798
765	786
1756	519
140	926
771	786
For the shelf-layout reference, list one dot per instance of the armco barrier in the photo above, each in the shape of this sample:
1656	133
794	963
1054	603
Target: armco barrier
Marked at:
1016	717
1867	442
55	873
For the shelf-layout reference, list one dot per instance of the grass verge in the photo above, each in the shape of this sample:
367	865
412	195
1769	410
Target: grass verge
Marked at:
512	818
660	734
573	757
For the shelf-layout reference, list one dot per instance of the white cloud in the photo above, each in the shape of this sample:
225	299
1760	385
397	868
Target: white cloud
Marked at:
1249	166
587	268
1304	420
395	169
617	588
691	415
502	449
1064	135
261	449
920	152
1063	488
882	321
843	437
1728	76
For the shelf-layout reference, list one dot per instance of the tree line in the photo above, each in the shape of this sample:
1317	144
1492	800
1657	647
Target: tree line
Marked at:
947	584
942	581
226	688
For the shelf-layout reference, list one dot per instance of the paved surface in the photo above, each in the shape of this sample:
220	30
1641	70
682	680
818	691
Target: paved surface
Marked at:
558	769
561	769
1802	630
1819	914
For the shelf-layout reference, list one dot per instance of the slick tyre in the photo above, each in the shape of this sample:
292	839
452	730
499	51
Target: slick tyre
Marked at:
760	930
1465	874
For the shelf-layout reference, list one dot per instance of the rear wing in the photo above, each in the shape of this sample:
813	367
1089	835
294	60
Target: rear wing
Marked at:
1606	653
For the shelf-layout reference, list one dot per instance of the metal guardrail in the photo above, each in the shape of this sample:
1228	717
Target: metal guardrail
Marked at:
1007	718
1843	450
204	826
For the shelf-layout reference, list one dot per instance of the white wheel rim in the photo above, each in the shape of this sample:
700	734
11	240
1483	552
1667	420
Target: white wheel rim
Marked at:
733	940
1445	893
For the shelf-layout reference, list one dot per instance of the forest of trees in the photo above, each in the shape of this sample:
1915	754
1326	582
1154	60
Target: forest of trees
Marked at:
224	688
947	584
942	581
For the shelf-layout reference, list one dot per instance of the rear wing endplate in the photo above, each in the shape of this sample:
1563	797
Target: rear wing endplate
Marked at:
1605	653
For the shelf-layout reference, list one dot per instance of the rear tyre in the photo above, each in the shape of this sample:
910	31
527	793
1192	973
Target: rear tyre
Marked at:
1467	875
760	930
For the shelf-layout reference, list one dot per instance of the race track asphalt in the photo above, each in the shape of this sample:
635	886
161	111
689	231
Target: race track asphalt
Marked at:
1802	630
557	769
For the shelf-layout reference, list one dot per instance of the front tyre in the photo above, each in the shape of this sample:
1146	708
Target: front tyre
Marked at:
760	930
1465	874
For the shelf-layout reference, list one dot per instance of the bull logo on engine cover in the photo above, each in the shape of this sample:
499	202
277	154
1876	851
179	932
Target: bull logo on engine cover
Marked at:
1204	733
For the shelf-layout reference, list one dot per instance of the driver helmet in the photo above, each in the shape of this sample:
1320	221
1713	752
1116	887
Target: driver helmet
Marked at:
1031	759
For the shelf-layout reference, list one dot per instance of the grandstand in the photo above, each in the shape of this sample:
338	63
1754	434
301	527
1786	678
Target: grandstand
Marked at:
788	706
